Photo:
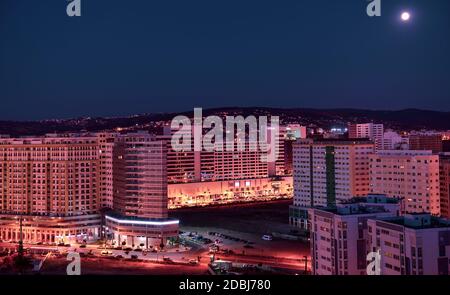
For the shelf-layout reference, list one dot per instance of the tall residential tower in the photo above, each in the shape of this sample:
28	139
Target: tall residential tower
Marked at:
327	172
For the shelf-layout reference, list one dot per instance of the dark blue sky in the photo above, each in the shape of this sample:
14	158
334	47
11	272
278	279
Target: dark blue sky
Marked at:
133	56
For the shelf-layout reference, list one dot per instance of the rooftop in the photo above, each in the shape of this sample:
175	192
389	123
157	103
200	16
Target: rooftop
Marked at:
369	204
404	153
354	209
419	221
373	199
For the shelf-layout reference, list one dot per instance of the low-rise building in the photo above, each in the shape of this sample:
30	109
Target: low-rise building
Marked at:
414	244
339	235
231	191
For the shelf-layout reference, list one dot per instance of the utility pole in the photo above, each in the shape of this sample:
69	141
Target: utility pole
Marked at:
20	250
306	264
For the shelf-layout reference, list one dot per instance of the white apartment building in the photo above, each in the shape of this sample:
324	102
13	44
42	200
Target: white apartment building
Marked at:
415	244
339	235
327	172
371	131
412	175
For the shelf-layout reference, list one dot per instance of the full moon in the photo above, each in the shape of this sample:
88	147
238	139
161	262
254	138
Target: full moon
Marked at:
405	16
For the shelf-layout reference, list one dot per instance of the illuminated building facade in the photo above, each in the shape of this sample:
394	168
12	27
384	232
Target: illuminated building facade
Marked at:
198	178
59	185
327	172
229	191
140	213
407	174
204	166
54	184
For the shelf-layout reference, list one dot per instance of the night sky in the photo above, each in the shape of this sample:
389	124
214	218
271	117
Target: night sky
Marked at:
123	57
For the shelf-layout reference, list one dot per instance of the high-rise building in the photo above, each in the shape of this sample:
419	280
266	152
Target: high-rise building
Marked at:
277	167
288	156
60	185
293	132
140	204
432	142
327	172
444	176
411	175
54	184
371	131
106	145
417	244
339	234
220	165
195	176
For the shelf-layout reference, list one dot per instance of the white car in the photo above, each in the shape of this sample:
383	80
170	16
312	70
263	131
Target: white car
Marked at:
267	238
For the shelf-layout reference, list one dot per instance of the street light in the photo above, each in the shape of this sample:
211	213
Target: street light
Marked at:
306	264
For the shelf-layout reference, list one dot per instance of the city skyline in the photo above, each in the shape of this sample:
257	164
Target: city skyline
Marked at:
235	139
131	196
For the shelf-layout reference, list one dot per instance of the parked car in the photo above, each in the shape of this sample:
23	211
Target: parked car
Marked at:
167	259
193	262
267	238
